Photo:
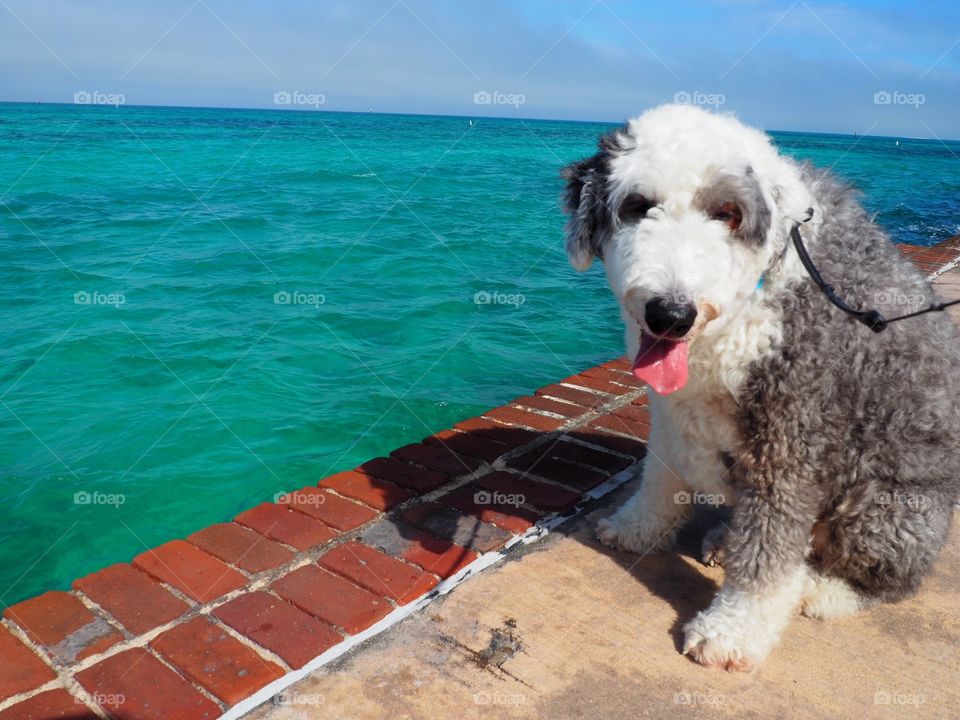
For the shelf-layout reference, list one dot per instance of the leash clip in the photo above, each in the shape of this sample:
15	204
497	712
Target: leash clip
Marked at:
873	319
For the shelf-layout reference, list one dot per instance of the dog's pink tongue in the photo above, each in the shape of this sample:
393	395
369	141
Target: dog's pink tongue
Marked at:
661	364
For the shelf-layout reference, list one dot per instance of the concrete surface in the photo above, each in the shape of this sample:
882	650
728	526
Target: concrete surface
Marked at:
575	630
948	288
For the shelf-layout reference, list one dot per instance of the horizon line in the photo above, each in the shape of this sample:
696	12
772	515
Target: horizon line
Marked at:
933	138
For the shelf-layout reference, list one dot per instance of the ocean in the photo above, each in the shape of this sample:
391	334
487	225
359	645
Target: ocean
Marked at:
202	308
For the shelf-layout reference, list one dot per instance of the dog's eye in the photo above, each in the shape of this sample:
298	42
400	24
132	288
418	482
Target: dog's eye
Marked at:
728	213
635	207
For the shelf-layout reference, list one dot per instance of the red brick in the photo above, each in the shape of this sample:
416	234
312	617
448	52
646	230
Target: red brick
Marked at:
514	416
583	398
20	668
49	705
278	626
557	470
438	556
51	617
573	452
602	385
438	458
466	443
377	572
377	493
402	540
280	523
190	570
504	434
331	598
134	684
138	601
448	524
548	405
241	547
404	474
330	509
616	443
540	495
636	413
63	625
621	363
622	425
216	661
509	517
614	376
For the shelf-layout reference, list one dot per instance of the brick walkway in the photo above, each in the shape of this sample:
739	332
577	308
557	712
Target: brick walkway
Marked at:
196	626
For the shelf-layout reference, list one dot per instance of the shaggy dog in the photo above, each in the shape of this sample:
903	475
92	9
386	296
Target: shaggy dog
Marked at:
835	446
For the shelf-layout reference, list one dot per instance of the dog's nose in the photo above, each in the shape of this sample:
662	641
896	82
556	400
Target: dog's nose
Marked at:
669	318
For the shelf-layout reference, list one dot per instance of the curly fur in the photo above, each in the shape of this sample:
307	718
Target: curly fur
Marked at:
833	444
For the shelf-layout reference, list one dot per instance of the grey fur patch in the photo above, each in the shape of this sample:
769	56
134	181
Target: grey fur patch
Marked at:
848	431
586	199
742	188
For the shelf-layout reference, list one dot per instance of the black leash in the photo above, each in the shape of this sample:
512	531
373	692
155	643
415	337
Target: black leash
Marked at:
873	319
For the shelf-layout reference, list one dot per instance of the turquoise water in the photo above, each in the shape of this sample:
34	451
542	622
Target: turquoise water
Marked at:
151	367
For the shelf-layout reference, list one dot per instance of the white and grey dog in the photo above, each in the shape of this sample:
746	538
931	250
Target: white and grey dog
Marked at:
835	445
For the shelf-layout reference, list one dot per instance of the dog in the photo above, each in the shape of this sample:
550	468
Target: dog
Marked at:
836	446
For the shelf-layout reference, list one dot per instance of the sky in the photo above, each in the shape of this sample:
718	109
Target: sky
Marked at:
881	68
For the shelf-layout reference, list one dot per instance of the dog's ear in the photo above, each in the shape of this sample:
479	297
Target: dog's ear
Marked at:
584	198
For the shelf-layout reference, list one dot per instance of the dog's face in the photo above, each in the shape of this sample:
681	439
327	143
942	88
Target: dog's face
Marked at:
683	207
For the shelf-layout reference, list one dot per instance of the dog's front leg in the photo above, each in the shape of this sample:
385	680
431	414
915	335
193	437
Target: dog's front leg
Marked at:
763	585
649	520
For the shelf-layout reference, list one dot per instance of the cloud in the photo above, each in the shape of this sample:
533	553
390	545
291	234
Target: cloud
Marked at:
800	66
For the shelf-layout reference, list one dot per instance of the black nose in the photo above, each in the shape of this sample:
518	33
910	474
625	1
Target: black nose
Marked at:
669	318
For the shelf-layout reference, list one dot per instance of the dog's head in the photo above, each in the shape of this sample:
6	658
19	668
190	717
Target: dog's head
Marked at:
687	210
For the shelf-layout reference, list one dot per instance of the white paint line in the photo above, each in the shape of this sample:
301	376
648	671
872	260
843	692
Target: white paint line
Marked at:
944	269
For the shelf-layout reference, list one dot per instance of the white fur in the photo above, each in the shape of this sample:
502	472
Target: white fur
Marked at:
829	598
739	629
679	149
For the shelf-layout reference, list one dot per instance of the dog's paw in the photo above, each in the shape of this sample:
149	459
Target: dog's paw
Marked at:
615	534
711	550
827	598
714	642
607	532
721	651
